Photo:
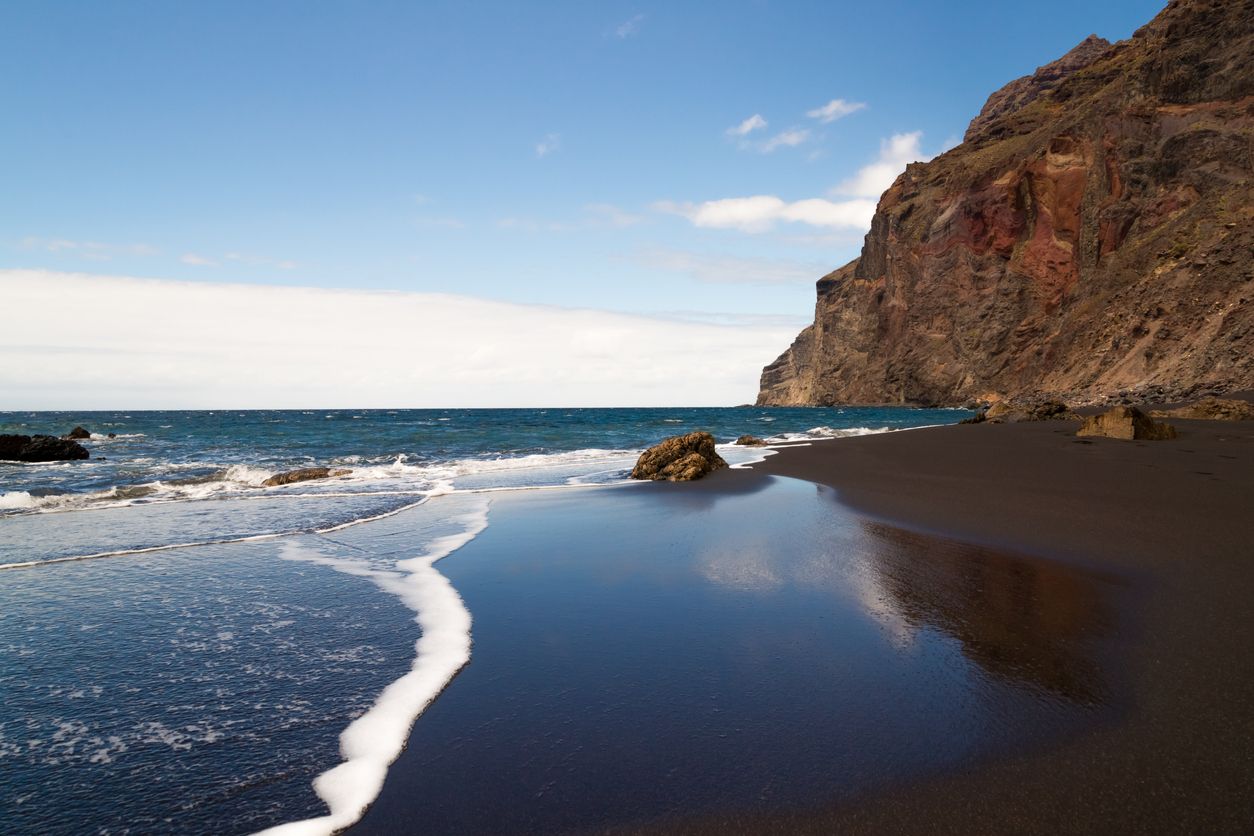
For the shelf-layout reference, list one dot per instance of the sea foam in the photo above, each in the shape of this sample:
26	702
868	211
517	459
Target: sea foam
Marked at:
376	738
15	500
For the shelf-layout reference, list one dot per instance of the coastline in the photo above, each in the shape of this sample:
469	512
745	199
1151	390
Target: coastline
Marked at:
927	630
744	644
1169	520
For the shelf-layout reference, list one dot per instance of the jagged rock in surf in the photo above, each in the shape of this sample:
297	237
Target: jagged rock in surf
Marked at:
40	448
304	474
680	458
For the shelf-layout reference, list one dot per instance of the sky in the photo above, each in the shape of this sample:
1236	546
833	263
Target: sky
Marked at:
677	174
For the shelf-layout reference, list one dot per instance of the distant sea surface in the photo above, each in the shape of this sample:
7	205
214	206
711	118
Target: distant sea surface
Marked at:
205	469
181	647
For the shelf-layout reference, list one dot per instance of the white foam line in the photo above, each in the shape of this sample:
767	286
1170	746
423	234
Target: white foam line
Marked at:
375	739
382	516
249	539
106	505
146	550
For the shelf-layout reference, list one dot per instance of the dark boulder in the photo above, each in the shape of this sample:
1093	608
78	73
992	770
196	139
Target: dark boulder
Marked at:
40	448
1004	412
750	441
1049	411
680	458
1127	423
305	474
1212	409
78	433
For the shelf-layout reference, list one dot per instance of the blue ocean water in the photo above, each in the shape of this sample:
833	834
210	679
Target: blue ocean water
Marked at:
189	477
197	672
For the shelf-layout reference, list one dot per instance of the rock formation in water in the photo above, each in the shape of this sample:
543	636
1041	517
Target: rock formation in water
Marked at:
40	448
1092	239
304	474
680	458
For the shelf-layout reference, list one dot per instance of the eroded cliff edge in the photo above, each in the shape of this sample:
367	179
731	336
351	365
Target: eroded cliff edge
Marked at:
1093	234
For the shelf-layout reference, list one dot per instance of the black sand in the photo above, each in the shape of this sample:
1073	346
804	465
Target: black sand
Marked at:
1060	645
653	652
1175	520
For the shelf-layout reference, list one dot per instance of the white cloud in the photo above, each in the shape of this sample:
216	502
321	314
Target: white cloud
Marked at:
753	123
727	269
550	143
197	260
760	213
108	342
790	138
94	250
896	153
835	109
628	27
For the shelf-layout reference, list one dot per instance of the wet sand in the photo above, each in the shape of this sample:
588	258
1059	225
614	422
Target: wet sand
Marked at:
1174	520
969	629
649	653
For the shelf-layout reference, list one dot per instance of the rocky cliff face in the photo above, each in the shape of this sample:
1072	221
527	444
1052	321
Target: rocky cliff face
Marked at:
1093	234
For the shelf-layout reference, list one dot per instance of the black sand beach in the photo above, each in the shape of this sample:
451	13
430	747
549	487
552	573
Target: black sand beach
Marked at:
995	629
1174	520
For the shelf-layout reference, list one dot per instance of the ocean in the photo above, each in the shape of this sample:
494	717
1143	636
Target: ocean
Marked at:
185	650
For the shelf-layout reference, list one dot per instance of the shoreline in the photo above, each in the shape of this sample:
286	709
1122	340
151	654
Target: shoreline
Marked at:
749	638
1169	520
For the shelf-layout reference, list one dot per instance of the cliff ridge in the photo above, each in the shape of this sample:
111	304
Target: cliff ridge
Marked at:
1092	235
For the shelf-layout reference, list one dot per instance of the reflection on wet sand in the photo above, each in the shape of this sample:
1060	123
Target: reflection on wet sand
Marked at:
1025	621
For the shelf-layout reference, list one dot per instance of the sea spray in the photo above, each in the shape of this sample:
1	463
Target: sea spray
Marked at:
376	738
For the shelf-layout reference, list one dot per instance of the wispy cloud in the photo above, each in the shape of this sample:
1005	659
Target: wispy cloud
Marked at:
760	213
726	269
835	109
628	28
438	222
790	138
229	355
748	126
197	260
550	143
94	250
896	153
607	214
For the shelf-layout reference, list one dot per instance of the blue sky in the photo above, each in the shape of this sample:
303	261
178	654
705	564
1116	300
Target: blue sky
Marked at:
565	154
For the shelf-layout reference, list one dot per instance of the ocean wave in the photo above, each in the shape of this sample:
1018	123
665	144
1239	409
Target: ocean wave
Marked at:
823	433
17	500
382	475
375	739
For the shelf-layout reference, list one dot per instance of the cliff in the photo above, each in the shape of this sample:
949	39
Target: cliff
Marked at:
1092	235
